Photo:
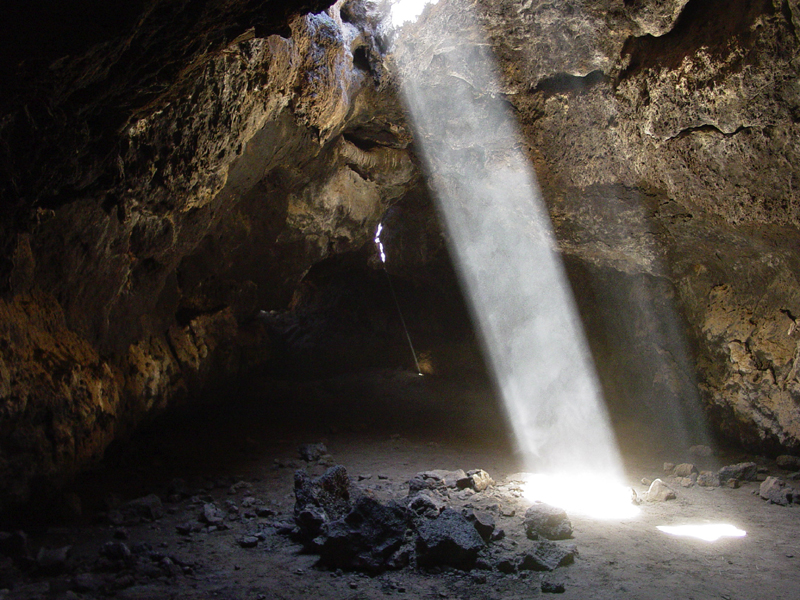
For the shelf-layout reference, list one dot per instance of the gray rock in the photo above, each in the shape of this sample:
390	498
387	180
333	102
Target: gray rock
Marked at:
482	521
790	463
708	479
248	541
687	481
440	478
685	470
659	492
545	555
312	452
211	515
553	584
551	522
669	468
776	491
449	540
147	508
115	551
425	504
747	471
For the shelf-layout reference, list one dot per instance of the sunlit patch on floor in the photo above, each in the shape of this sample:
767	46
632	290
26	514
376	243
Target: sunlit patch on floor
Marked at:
591	496
709	532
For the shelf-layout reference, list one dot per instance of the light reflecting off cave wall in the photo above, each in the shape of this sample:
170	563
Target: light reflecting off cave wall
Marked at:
504	250
404	11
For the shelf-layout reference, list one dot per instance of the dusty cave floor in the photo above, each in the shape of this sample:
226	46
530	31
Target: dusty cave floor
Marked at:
384	427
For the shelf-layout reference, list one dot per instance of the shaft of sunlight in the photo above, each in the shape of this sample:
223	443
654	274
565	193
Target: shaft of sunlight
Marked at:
505	252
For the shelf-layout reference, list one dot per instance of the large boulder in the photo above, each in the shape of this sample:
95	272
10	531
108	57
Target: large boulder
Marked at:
371	537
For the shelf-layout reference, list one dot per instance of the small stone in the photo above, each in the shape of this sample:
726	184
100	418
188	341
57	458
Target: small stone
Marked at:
479	577
248	541
684	470
545	555
425	504
685	481
312	452
543	520
508	512
646	481
264	511
483	522
553	585
669	468
659	492
121	533
115	551
211	515
708	479
733	483
240	486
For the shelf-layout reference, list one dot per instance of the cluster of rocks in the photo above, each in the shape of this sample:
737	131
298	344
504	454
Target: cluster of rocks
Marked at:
772	488
350	529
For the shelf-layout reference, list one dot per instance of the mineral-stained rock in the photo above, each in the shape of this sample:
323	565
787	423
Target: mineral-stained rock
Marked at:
659	492
684	470
477	480
747	471
369	538
543	520
545	555
776	491
449	540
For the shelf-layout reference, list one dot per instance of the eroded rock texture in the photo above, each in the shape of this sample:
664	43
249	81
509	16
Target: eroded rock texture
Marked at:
663	136
171	168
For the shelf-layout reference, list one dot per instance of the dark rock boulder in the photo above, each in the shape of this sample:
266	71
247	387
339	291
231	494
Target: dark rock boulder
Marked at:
543	520
321	500
449	540
371	537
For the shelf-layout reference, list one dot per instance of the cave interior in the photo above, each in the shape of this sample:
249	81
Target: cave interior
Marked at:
198	325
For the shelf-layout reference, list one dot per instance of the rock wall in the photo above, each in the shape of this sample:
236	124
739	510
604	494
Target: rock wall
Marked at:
160	187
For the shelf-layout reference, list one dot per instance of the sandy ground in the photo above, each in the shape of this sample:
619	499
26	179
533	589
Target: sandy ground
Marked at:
385	427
